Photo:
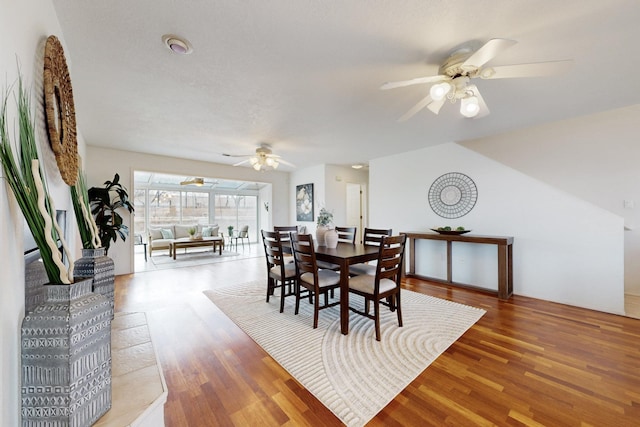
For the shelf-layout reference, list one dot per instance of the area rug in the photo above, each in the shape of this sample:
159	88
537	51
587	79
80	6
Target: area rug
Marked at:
190	259
353	375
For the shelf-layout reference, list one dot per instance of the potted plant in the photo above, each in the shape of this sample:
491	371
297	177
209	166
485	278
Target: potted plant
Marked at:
325	218
69	320
27	182
94	261
192	232
230	230
106	202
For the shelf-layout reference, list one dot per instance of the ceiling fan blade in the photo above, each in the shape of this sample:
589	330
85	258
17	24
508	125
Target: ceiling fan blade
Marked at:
416	81
419	106
538	69
236	155
242	162
487	52
435	106
284	162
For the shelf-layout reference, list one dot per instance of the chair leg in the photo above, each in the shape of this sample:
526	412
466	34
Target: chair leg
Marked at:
316	310
283	287
270	286
376	310
399	310
297	298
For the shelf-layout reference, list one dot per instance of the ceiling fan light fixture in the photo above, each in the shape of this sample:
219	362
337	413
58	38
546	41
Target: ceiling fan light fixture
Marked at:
439	91
469	106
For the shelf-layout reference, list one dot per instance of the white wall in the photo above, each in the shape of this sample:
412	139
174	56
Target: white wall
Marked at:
24	27
594	157
313	175
102	164
329	191
565	250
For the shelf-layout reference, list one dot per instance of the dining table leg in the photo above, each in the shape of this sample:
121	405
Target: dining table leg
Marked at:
344	297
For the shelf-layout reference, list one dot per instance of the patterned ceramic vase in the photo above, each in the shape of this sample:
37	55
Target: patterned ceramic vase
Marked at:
66	357
331	238
320	231
97	265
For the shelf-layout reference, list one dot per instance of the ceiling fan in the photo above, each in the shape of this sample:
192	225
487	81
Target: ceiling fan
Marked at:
455	74
197	182
263	159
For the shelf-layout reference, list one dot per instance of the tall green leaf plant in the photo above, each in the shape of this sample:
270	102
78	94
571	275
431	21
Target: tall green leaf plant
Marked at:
105	203
24	176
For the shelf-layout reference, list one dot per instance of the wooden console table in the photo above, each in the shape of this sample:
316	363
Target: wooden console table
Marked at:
505	258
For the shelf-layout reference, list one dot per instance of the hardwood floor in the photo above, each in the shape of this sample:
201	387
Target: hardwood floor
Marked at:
526	362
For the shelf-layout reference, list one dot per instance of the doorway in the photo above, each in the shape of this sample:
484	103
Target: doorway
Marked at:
356	208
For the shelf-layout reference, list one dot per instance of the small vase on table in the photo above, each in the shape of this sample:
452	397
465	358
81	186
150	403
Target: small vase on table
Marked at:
331	238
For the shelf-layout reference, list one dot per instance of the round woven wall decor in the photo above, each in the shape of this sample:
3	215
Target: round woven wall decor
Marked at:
60	110
453	195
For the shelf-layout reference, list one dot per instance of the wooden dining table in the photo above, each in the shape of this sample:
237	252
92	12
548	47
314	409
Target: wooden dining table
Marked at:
345	255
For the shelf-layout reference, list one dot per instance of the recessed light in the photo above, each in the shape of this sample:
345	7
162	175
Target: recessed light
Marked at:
358	166
177	44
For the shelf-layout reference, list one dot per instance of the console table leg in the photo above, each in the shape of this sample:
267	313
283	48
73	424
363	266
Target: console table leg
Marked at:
505	279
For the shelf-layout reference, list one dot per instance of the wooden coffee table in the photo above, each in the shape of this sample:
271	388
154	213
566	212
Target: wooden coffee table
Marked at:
216	242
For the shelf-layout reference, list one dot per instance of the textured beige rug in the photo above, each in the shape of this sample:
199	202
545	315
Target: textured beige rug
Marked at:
190	258
354	375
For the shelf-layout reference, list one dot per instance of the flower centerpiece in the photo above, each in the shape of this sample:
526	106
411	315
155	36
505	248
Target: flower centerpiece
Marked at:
325	219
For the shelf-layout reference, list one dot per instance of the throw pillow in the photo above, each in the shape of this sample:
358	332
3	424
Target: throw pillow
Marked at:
166	233
214	231
155	233
206	232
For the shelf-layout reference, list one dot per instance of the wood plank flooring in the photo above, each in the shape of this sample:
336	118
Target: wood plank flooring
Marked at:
526	362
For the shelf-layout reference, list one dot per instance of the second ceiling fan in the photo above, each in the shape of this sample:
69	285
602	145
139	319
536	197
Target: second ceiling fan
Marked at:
452	83
263	159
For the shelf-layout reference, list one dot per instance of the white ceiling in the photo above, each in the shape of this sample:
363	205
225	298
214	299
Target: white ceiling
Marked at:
304	75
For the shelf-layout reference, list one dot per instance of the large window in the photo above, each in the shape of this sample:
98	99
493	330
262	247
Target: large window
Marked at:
183	205
238	211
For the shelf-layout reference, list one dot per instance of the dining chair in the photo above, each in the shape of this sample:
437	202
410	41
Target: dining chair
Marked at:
280	274
285	231
383	288
316	281
242	235
347	234
372	236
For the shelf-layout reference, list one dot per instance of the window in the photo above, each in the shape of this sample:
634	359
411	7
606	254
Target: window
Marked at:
238	211
161	199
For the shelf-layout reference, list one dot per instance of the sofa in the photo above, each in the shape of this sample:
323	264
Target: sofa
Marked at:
160	236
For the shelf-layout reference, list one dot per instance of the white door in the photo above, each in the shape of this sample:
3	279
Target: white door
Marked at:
355	208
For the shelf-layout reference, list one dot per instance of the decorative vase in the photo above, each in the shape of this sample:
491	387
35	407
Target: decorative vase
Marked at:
96	264
331	238
320	231
66	357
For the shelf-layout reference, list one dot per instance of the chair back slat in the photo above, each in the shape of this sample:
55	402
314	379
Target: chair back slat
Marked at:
373	236
285	231
304	254
390	259
347	234
272	248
